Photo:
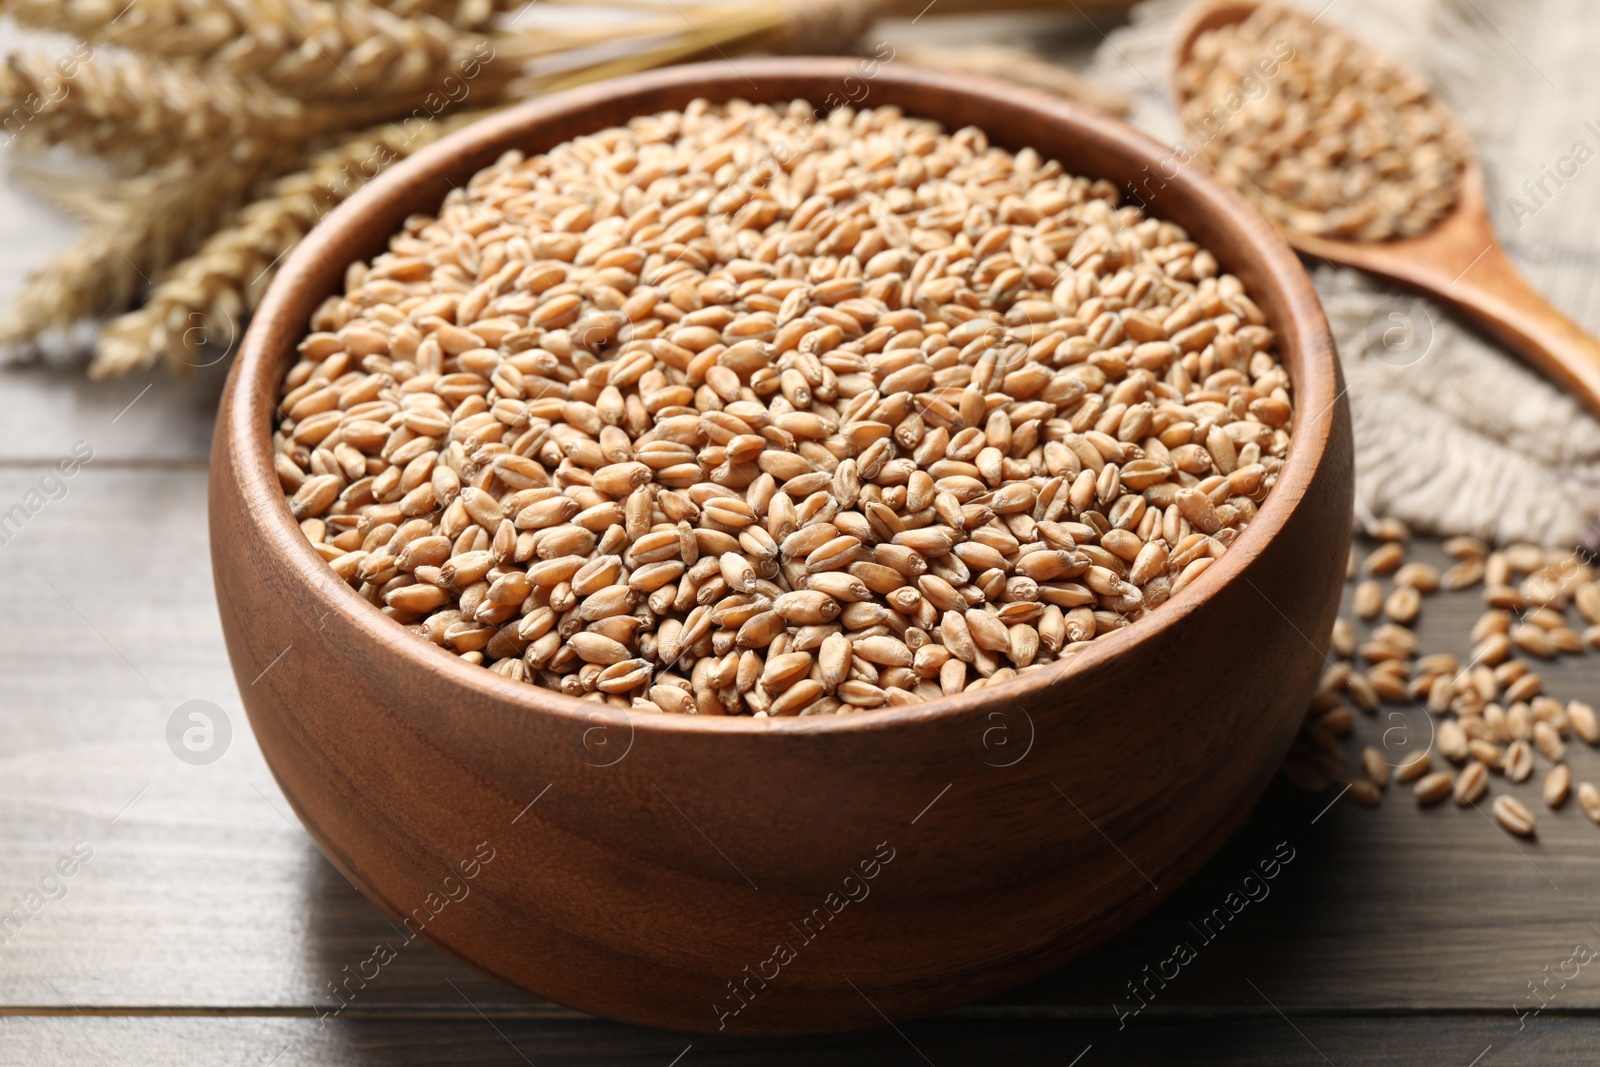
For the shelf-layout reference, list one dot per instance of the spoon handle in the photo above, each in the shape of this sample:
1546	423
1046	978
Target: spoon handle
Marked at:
1495	293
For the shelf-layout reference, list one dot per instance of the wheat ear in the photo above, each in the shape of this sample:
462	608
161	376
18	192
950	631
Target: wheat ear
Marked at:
133	114
203	299
312	49
137	227
190	30
462	14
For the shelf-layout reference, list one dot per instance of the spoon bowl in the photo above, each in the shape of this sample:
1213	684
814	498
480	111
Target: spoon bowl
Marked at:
1458	262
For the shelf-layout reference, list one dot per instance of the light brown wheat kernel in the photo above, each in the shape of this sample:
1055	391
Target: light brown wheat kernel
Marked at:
1403	605
1472	783
1364	793
1432	788
1375	767
1385	559
682	429
1557	784
1368	600
1582	718
1341	142
1589	800
1513	816
1412	767
1423	577
1518	761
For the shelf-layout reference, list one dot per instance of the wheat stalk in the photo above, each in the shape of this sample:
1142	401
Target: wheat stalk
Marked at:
220	97
359	50
348	49
137	226
171	28
139	113
1020	66
305	48
134	114
90	279
203	299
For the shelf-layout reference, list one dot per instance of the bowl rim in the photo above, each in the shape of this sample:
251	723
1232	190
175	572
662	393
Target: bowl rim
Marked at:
244	428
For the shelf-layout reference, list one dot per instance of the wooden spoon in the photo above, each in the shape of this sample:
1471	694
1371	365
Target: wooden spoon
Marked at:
1458	262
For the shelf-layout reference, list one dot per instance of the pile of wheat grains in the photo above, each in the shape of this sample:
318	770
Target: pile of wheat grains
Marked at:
1490	716
1321	131
749	410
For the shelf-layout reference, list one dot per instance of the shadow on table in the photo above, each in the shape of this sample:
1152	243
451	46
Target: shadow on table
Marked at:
1137	996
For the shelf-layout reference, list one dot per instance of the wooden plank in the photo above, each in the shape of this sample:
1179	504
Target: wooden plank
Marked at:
202	890
153	417
1265	1039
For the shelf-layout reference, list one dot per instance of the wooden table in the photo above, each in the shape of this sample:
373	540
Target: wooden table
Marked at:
204	925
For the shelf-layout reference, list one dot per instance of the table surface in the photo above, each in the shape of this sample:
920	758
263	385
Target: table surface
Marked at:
204	923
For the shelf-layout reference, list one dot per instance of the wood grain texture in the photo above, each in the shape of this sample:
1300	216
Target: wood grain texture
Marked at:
1265	1039
1458	262
789	808
151	419
110	587
203	897
1396	937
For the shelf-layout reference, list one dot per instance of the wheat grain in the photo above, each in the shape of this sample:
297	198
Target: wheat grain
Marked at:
1465	548
1557	785
1364	793
1412	767
1375	767
1368	600
1589	801
1513	816
1385	559
883	404
1403	605
1423	577
1338	141
1492	700
1468	572
1581	717
1432	788
1472	783
1518	761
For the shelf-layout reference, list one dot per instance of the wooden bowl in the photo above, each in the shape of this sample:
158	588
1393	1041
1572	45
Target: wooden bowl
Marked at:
780	875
